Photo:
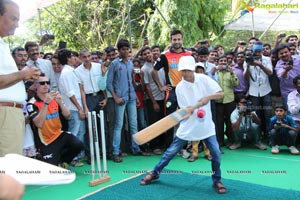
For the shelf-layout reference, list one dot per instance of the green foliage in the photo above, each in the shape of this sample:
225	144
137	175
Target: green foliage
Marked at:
94	24
198	19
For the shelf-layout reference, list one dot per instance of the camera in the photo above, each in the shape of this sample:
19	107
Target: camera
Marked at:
137	70
291	62
249	57
224	67
278	123
248	107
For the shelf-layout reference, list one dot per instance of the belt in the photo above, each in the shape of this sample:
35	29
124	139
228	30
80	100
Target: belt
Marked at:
11	104
94	94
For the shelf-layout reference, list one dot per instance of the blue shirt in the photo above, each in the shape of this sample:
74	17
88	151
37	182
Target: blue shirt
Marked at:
288	119
119	79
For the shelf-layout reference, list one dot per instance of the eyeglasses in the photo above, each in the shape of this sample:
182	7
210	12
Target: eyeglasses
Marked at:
44	82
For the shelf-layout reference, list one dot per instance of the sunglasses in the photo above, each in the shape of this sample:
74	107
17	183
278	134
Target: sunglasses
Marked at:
44	82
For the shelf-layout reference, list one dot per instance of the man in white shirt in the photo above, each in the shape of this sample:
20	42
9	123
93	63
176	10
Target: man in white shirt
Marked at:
89	75
12	88
70	90
194	89
45	66
258	70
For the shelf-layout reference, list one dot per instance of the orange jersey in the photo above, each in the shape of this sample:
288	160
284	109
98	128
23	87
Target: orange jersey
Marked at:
51	128
169	61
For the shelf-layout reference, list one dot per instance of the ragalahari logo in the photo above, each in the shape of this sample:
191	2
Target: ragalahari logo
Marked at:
270	6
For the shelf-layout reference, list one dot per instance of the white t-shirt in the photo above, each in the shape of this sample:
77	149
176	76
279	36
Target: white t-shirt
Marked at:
188	94
16	92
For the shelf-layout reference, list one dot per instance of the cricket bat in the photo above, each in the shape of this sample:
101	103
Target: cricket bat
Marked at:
162	125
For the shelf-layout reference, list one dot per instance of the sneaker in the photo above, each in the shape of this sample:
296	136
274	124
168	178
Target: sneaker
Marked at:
76	163
149	178
235	146
260	146
275	149
294	150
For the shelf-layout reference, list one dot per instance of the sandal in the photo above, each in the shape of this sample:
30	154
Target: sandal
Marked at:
192	158
208	157
140	153
117	159
219	188
157	151
149	178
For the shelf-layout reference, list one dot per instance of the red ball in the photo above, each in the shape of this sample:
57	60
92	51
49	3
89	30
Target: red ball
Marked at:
201	113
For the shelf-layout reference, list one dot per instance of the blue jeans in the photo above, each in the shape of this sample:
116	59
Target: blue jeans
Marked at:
130	106
177	144
76	125
141	118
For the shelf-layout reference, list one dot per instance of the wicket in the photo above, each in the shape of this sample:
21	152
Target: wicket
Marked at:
94	149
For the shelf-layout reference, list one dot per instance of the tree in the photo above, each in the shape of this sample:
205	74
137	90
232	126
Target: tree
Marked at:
197	19
94	24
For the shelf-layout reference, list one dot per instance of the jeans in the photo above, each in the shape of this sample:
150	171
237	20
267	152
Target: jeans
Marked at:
263	107
177	144
130	106
141	118
283	136
77	127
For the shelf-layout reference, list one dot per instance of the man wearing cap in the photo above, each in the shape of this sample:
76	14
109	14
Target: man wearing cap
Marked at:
257	72
12	88
191	90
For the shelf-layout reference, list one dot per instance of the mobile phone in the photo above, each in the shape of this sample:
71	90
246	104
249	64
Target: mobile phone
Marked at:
54	88
291	62
203	41
50	37
282	35
62	45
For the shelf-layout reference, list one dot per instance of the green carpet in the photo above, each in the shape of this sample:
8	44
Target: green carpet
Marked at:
246	159
189	186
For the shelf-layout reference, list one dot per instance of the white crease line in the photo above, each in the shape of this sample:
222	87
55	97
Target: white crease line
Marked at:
266	157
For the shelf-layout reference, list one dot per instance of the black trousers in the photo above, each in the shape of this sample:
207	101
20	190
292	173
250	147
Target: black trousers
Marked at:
63	149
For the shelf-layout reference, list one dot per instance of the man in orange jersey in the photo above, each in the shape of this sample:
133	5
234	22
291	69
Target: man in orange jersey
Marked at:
169	61
55	146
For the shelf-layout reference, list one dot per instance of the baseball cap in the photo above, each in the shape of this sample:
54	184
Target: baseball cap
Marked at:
200	64
186	63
